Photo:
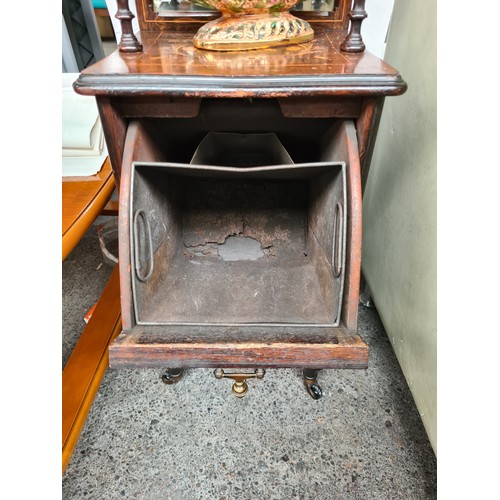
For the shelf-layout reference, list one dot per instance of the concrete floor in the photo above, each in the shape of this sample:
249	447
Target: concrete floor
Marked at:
143	439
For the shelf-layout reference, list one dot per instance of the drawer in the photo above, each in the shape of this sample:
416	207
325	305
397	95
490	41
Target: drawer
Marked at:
240	257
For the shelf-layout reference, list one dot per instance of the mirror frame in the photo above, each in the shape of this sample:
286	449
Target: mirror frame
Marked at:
151	21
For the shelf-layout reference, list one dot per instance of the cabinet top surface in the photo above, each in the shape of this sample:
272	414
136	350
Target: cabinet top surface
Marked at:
170	64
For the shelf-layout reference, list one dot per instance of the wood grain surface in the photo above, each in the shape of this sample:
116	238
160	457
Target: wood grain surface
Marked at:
238	347
83	199
171	65
87	365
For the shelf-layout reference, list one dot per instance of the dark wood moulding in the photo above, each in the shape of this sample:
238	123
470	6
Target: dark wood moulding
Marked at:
240	87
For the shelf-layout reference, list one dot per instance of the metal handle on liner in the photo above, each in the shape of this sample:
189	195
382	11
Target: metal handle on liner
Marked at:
339	239
140	276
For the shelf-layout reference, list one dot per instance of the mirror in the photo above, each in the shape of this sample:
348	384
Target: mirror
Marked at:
167	8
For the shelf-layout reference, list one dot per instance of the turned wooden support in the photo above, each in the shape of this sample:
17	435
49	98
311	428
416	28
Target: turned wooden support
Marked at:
354	41
128	41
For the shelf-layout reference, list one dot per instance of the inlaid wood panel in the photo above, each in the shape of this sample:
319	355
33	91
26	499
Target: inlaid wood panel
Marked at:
171	65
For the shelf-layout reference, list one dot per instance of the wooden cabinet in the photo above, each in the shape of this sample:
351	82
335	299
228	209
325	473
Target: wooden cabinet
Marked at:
157	105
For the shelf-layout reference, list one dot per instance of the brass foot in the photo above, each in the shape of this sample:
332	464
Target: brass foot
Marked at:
240	387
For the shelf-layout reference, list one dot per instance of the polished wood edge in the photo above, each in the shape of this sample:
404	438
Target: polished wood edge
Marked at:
74	233
367	126
111	208
81	417
239	86
87	364
131	140
101	176
354	229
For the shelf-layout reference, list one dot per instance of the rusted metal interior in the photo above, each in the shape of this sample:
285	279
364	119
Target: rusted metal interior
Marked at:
251	245
236	240
241	234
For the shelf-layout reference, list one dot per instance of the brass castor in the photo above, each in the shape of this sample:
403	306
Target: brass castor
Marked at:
311	383
172	375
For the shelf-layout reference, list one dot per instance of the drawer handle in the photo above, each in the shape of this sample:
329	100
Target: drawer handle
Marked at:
339	239
143	216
